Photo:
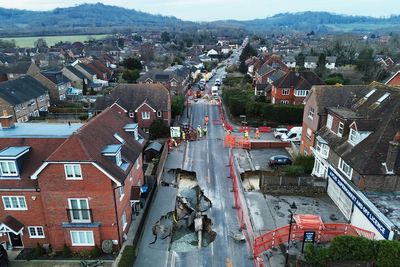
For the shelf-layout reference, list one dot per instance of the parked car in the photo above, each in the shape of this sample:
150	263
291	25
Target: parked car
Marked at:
217	82
294	135
3	257
278	132
279	160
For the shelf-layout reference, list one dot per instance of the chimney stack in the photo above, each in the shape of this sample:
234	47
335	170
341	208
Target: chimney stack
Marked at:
393	152
7	121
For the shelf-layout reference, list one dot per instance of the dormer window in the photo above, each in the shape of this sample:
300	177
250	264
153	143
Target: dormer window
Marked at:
11	161
134	130
353	137
329	121
73	171
369	94
340	129
118	158
119	138
8	168
113	153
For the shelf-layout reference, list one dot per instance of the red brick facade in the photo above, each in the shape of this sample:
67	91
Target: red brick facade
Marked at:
48	191
141	115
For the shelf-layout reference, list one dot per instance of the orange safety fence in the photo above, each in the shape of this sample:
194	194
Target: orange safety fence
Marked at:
244	143
230	141
324	234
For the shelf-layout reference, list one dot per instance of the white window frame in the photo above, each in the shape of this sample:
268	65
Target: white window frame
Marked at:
36	232
311	112
145	115
80	243
285	91
354	137
121	192
75	174
329	122
137	163
118	158
340	129
18	199
322	149
159	113
8	173
124	221
285	102
301	93
342	167
79	210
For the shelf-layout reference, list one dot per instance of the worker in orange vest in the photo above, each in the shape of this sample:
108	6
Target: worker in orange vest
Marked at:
246	134
206	120
258	133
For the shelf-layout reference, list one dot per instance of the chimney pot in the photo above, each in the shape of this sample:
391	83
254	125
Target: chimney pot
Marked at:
7	121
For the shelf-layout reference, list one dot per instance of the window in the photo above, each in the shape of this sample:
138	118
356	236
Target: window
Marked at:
8	168
311	113
322	149
301	92
73	171
118	158
79	210
309	133
36	231
285	91
329	122
146	115
124	222
386	95
284	101
353	137
340	129
159	113
14	203
121	192
131	114
82	238
137	163
345	168
369	94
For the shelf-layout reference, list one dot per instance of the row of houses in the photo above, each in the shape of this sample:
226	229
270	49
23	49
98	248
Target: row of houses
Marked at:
60	186
353	131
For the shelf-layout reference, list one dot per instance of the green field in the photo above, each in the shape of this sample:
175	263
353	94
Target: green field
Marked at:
51	40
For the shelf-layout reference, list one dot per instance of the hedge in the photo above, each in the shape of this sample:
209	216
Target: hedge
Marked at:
384	253
128	257
243	102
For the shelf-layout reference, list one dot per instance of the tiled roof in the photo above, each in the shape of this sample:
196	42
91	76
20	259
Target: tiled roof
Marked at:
298	80
88	142
21	90
381	120
131	96
76	72
40	149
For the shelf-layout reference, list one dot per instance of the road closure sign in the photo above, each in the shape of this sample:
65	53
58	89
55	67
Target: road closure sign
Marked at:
175	132
309	236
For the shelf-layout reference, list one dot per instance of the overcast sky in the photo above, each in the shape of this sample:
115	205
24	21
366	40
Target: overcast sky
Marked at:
207	10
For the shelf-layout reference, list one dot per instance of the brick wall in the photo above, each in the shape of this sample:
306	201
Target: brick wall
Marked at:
145	123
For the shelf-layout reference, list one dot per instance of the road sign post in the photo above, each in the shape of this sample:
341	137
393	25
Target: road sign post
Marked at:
309	237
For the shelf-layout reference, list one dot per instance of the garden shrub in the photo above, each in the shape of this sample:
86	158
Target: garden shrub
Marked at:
128	256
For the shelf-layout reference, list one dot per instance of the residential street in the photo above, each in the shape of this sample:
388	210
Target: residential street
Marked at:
209	159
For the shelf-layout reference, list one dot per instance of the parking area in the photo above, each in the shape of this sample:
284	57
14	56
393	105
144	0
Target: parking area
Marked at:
256	159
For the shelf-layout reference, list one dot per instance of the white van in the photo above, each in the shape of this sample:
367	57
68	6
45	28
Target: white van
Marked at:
294	135
214	91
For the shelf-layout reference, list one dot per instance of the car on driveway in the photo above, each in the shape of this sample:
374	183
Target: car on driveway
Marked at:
279	160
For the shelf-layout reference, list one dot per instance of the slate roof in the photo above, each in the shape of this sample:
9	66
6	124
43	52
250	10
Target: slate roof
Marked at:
16	68
76	72
264	69
330	59
311	59
131	96
82	146
87	69
383	121
298	80
158	76
21	90
56	77
12	223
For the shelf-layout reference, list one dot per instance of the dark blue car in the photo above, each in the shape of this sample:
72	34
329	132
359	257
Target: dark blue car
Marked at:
279	160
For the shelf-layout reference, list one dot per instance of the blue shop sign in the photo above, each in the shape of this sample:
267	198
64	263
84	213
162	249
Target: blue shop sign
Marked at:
360	204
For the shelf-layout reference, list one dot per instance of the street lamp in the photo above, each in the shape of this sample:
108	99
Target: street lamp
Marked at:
292	210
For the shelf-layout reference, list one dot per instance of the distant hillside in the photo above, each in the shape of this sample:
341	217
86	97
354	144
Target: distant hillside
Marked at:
82	19
317	21
100	19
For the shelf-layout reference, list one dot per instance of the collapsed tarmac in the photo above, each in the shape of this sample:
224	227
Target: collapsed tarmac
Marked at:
188	225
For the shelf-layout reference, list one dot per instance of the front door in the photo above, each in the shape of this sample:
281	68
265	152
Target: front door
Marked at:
15	240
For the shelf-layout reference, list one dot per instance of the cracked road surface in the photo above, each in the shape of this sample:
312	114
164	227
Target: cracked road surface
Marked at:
209	159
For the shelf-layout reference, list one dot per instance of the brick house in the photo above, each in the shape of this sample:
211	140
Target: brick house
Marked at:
394	79
357	151
293	87
171	80
23	98
321	96
145	102
82	185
